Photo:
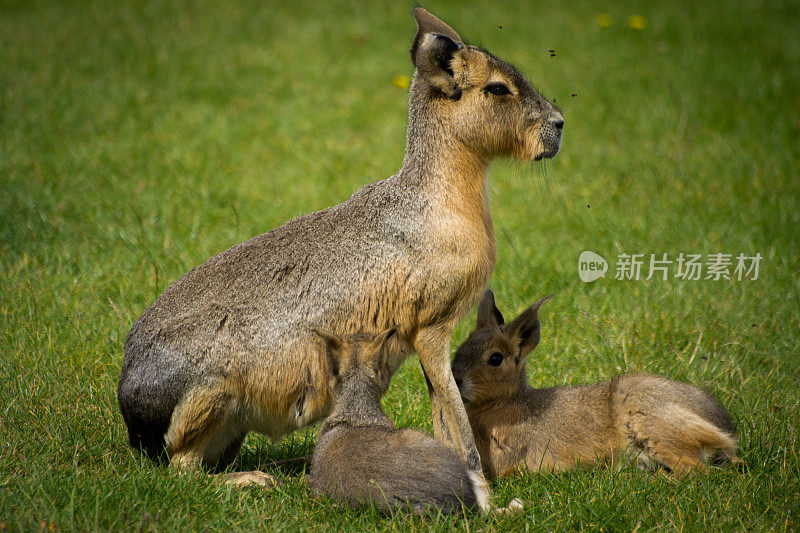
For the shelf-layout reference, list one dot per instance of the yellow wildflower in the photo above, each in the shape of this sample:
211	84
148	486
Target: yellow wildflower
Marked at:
401	81
604	20
637	22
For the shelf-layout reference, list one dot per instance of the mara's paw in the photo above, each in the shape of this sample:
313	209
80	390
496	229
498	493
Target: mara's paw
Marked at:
249	479
514	506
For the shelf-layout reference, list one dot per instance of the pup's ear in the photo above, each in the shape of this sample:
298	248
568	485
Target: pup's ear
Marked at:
432	51
526	328
488	313
333	351
378	348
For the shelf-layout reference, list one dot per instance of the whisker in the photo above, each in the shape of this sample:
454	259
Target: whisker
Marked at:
532	182
553	175
541	172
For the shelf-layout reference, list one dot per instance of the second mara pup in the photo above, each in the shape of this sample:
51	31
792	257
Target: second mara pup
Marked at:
652	420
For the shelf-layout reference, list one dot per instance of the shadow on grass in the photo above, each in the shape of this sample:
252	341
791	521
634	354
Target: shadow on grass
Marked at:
290	457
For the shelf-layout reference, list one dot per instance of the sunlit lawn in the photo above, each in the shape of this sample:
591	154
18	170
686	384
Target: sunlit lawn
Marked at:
138	140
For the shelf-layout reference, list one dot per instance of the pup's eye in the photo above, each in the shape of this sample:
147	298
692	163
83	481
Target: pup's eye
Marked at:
495	359
497	89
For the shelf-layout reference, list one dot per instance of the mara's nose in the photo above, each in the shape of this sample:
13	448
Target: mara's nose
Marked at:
558	123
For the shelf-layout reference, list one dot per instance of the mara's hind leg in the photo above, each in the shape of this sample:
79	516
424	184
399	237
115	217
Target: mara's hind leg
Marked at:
206	431
685	442
679	461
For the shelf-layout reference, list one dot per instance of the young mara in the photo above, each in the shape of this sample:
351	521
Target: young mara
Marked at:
361	459
652	420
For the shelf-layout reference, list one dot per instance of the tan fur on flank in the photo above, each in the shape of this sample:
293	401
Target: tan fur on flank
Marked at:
229	347
651	420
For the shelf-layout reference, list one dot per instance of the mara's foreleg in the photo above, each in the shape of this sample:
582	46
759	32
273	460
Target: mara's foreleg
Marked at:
450	422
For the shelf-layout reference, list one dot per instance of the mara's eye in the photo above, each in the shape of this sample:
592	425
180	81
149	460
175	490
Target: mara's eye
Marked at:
497	89
495	359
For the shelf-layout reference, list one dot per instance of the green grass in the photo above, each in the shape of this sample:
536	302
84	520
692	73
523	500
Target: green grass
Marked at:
138	140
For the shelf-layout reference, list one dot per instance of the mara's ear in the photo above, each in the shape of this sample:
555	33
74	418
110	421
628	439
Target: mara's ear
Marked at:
488	313
333	350
377	347
427	22
526	328
432	51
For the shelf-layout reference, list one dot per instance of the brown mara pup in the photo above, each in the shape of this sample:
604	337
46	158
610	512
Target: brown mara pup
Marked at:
228	348
361	459
657	422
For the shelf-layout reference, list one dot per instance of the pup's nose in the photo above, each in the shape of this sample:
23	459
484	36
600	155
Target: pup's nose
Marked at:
458	381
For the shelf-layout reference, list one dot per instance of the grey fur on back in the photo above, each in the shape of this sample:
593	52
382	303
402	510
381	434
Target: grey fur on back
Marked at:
245	306
248	305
